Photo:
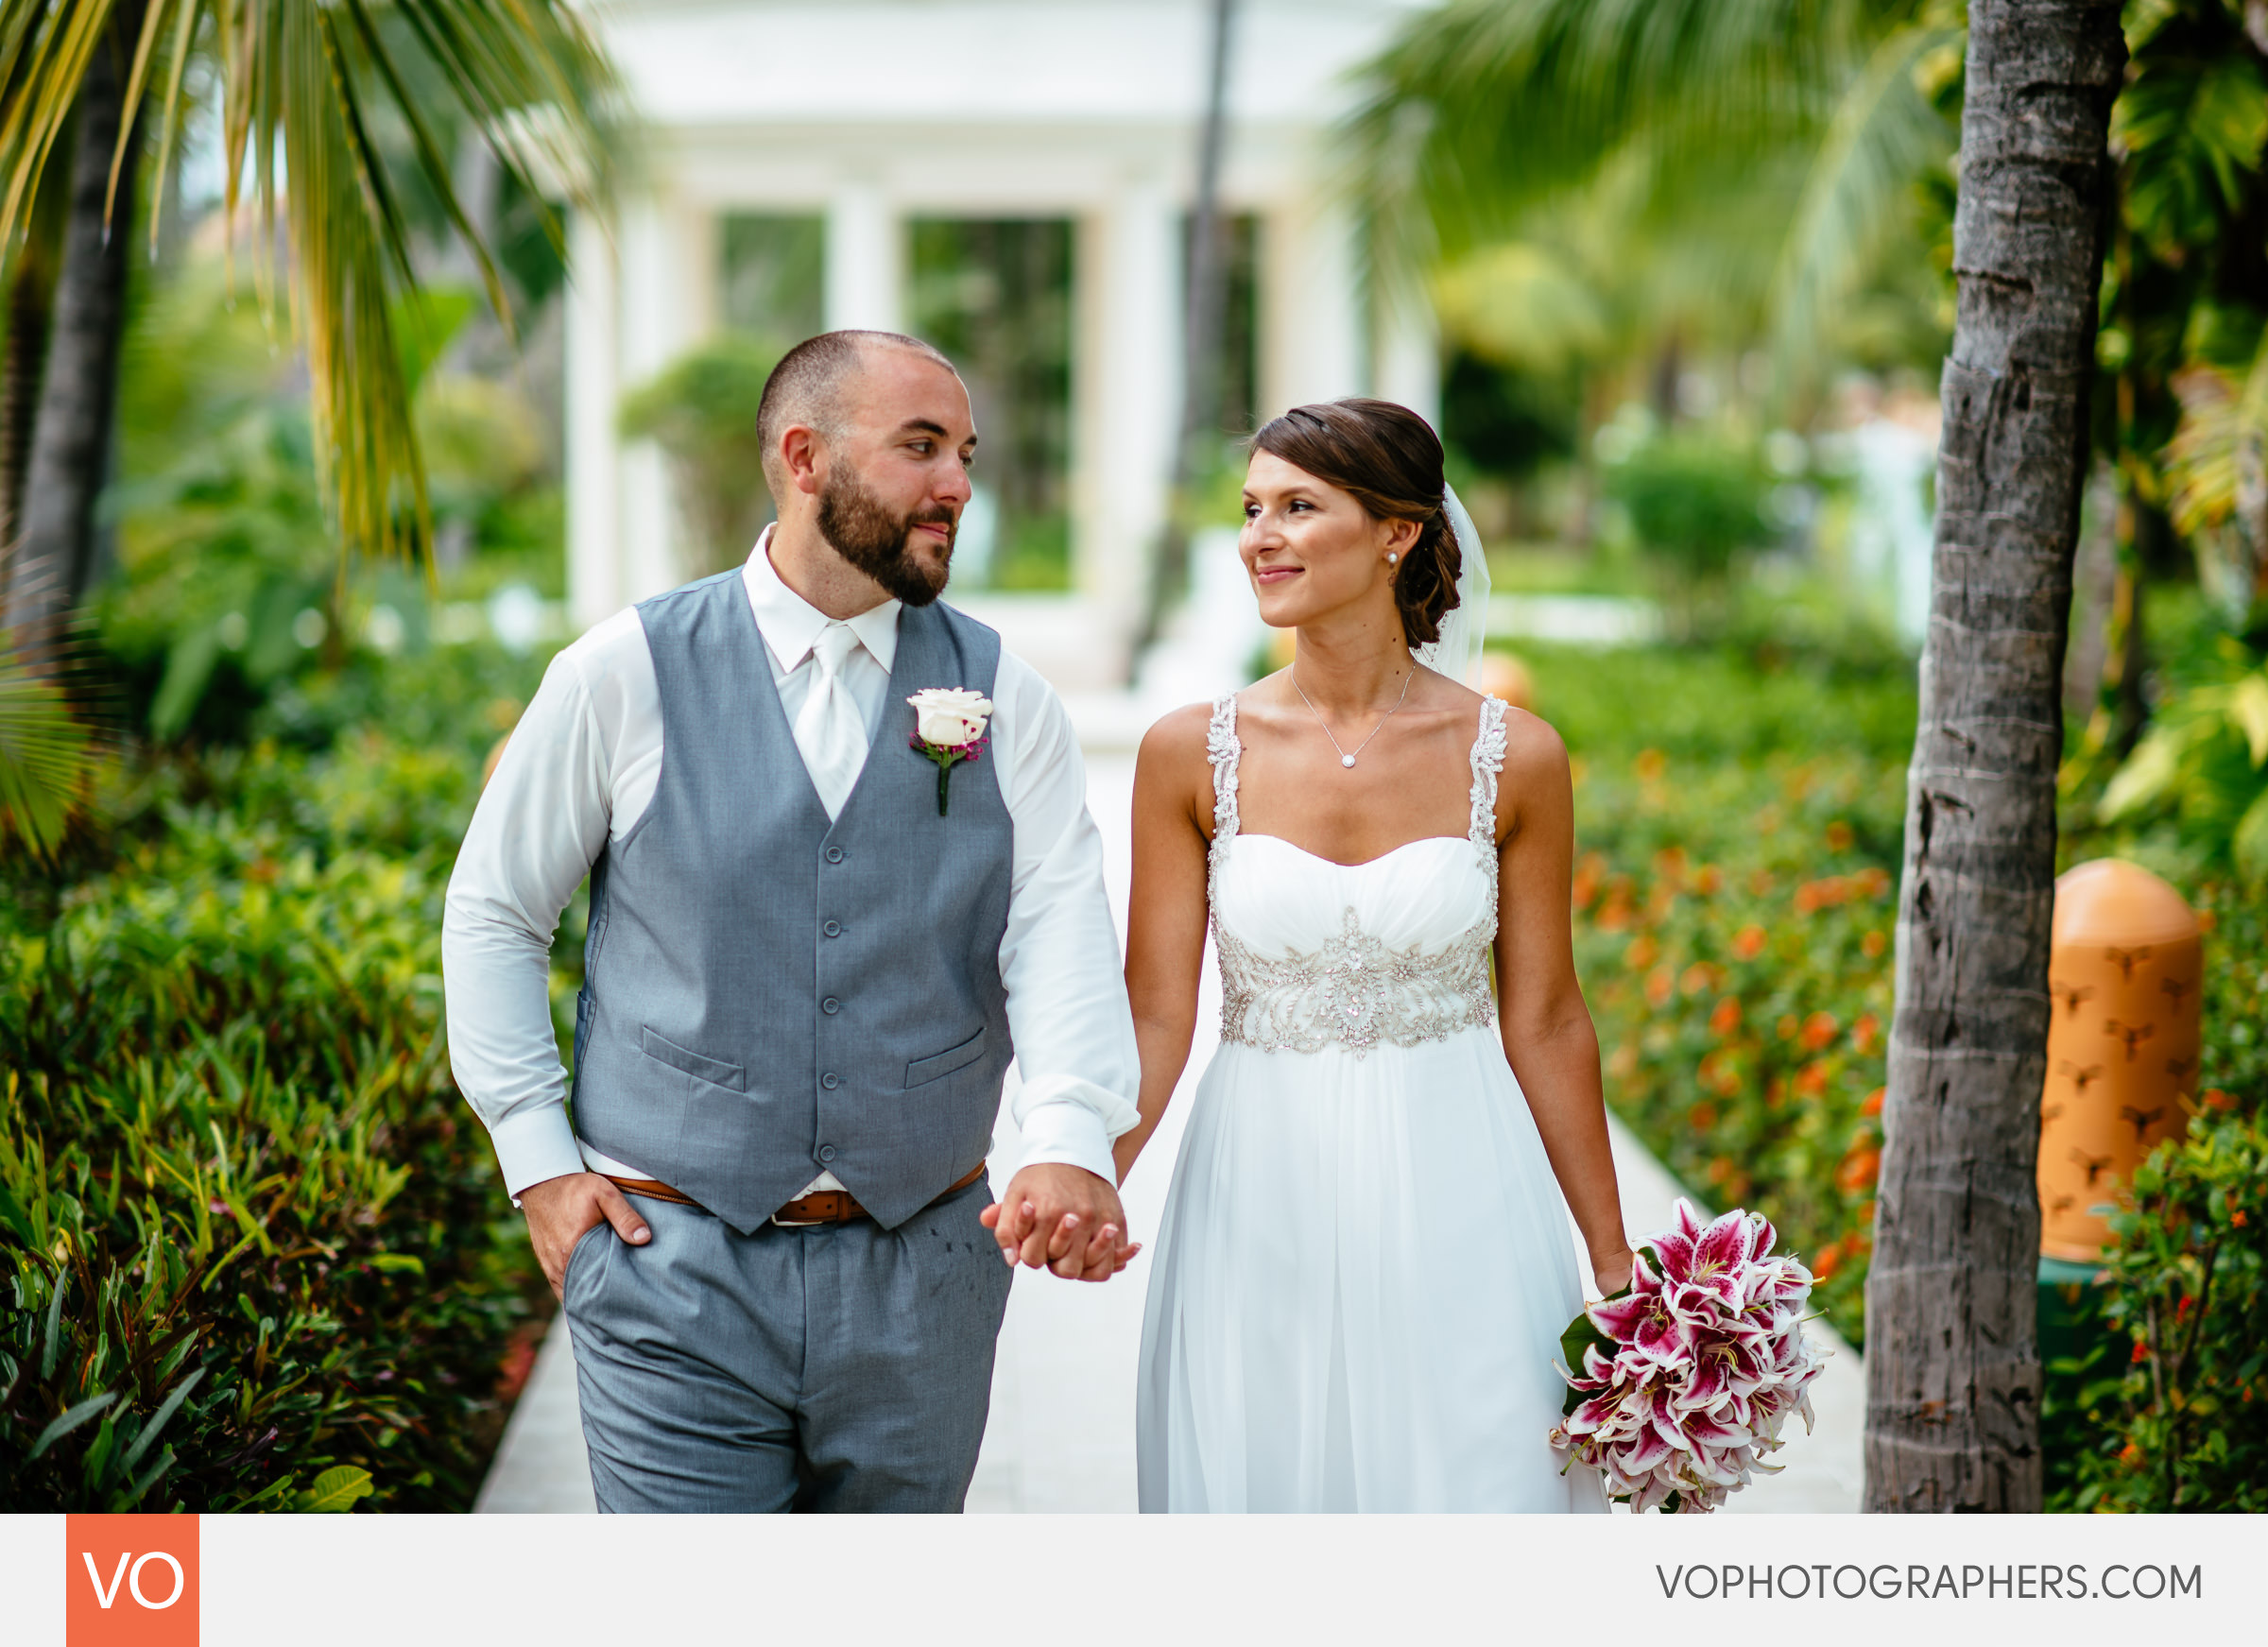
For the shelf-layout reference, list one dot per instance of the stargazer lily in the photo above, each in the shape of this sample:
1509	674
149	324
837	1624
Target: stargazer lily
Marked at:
1690	1373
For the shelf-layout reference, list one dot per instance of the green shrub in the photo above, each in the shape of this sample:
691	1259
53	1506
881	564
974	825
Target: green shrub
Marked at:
1694	499
701	410
229	593
1721	706
2177	1419
2203	769
253	1243
2188	1287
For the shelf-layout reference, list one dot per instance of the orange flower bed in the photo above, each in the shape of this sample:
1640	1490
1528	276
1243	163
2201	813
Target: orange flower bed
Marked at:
1734	946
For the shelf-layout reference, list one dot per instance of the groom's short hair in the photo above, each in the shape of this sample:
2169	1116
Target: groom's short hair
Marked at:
806	388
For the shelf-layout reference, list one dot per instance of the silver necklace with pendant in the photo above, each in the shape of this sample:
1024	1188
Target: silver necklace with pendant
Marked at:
1347	759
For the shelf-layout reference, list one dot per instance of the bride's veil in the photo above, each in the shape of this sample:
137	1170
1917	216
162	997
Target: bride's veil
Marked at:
1465	630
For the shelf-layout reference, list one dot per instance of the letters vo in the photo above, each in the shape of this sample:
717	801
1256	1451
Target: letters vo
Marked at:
130	1580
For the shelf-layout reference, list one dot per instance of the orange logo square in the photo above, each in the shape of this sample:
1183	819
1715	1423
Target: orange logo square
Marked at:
130	1581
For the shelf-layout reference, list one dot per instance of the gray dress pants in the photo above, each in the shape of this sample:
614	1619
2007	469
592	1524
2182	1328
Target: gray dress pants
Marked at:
838	1366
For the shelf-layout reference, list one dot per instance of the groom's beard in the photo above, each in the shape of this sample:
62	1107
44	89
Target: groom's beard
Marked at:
863	531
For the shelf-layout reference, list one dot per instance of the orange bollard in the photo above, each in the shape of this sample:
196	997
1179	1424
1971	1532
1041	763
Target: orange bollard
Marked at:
2122	1042
1506	677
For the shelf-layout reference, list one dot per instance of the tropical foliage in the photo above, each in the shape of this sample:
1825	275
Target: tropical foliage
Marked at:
2204	769
1739	816
369	109
1738	821
46	772
1596	190
304	89
252	1252
228	608
1709	172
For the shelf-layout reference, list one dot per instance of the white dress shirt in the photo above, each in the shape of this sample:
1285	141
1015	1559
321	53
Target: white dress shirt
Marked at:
582	768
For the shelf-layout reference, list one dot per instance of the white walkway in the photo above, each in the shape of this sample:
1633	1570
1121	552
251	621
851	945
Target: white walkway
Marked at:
1061	1436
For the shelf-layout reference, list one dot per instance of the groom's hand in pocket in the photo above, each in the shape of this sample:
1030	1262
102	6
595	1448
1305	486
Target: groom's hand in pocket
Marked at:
559	1209
1064	1219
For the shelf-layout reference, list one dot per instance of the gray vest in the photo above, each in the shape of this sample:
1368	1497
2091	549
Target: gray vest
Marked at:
768	995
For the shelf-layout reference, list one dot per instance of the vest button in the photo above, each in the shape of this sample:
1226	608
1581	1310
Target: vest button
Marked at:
830	1080
833	929
826	1152
834	854
830	1006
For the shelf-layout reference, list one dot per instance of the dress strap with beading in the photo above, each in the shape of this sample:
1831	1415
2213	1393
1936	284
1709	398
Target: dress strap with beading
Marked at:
1222	750
1487	760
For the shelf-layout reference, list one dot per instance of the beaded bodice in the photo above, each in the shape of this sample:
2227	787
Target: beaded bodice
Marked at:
1315	954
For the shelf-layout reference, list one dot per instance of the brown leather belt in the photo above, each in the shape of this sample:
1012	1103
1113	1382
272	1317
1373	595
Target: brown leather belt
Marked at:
819	1207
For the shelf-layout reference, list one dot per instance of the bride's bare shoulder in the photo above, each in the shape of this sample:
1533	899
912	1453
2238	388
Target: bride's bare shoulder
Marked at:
1177	739
1533	747
1443	693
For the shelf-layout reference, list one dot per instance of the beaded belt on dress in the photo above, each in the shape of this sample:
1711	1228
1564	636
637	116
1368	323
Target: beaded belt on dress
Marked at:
1353	992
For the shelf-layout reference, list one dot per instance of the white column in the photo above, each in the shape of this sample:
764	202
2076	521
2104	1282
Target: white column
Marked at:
700	271
655	329
1311	321
1409	352
864	259
594	585
1127	394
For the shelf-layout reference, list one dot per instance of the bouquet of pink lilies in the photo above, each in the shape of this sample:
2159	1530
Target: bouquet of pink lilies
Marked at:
1678	1384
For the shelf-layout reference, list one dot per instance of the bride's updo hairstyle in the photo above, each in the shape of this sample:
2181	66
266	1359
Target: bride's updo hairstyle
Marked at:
1389	460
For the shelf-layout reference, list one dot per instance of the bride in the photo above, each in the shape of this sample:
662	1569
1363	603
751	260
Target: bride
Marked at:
1364	1266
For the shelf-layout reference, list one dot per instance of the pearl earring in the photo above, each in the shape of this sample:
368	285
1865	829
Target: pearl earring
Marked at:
1392	558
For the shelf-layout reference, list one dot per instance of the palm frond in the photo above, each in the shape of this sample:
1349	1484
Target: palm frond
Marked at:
169	121
301	82
1526	98
45	50
1884	133
44	755
2216	465
1524	304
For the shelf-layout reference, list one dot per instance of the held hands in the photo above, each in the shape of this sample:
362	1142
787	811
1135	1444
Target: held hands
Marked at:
1064	1219
560	1210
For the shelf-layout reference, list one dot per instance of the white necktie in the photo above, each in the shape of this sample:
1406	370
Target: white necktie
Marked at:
829	731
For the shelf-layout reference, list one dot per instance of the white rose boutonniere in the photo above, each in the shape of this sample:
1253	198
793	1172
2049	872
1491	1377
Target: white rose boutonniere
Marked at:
949	727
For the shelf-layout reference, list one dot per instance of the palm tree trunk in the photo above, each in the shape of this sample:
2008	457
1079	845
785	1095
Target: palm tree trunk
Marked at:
1952	1361
2145	537
22	349
71	438
1200	344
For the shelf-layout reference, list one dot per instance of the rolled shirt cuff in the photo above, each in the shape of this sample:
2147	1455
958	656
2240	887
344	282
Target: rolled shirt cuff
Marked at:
533	1145
1071	1121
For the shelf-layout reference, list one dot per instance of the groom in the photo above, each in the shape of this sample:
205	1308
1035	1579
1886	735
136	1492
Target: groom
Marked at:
807	968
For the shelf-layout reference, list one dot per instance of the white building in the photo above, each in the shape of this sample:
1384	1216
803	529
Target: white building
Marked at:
871	111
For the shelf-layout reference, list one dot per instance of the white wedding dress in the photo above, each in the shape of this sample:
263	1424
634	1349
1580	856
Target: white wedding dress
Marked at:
1363	1267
